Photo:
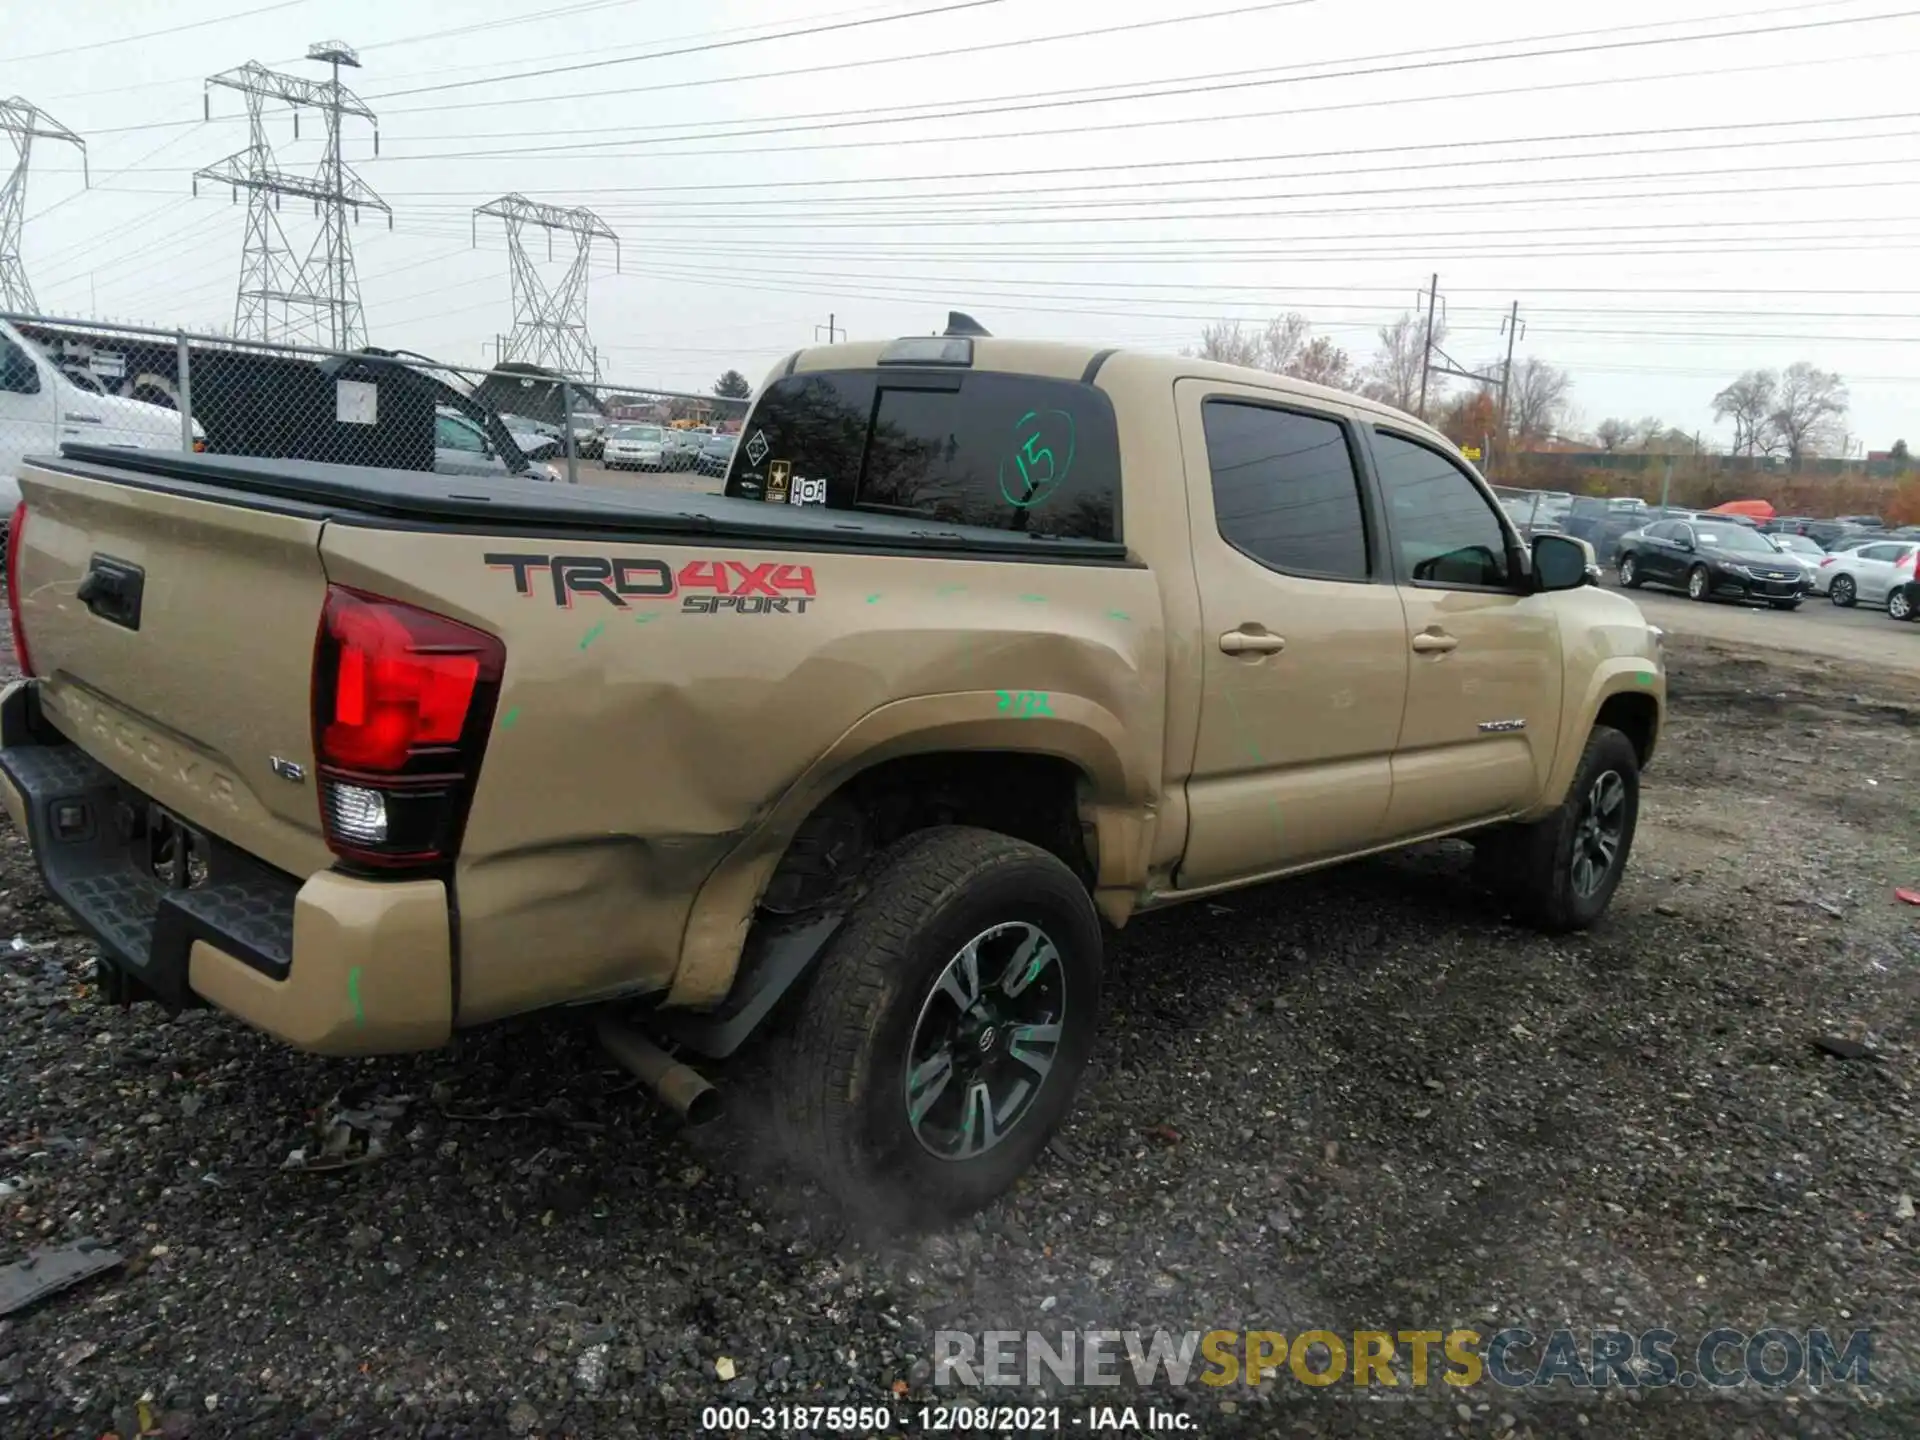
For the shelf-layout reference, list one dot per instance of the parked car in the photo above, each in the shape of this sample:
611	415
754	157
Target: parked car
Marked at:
461	447
1867	573
589	435
1787	524
682	447
635	447
1801	549
1862	522
1903	601
1854	542
1711	560
42	408
425	805
716	455
1601	522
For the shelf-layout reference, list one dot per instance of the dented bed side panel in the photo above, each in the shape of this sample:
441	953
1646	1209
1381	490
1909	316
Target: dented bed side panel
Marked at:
662	704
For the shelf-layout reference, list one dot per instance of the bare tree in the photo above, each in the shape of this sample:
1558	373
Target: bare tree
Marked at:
1809	410
1612	434
1537	397
1322	362
1393	375
1646	430
1750	402
1273	348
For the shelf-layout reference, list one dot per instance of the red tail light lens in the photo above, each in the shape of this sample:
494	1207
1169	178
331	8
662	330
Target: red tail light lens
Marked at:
402	701
15	530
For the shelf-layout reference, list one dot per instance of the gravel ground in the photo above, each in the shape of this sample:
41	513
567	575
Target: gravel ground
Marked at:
1360	1100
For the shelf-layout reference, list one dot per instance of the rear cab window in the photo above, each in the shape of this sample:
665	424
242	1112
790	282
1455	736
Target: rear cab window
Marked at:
963	447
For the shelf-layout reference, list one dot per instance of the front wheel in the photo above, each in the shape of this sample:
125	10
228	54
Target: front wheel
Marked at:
1699	583
940	1041
1843	592
1560	873
1900	603
1629	572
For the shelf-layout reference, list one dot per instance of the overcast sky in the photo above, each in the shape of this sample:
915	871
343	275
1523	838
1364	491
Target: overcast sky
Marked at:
1668	211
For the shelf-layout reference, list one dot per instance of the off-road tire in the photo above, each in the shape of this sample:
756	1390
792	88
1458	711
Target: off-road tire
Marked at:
839	1064
1630	573
1531	866
1699	583
1843	592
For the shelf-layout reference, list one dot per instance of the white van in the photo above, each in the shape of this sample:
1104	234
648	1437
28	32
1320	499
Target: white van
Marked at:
40	408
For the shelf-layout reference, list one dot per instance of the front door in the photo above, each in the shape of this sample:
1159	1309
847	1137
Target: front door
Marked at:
1483	693
1303	639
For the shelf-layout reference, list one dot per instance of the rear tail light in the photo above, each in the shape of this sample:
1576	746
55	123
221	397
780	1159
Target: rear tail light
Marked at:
1905	562
402	703
15	530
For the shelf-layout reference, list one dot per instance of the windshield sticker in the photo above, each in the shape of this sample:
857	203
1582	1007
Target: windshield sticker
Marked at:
778	475
757	447
1043	445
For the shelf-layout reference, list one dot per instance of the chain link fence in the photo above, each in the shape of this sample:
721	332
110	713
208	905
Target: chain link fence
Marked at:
77	381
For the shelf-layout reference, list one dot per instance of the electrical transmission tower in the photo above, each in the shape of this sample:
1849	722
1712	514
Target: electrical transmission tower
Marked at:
314	300
549	326
23	123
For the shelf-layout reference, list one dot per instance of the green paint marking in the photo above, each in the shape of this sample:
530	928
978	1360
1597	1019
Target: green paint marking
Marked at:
950	590
873	599
1034	599
1240	728
1645	677
353	994
644	619
1119	615
593	634
506	720
1025	703
1043	442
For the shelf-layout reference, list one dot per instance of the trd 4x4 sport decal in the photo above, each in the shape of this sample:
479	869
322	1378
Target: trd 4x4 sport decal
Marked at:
737	586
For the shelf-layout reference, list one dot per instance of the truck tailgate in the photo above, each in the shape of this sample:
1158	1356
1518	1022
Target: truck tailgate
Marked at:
185	663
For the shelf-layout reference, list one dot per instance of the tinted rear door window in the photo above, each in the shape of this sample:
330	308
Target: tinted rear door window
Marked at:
1285	491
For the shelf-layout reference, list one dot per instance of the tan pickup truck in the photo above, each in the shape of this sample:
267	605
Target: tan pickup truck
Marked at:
986	642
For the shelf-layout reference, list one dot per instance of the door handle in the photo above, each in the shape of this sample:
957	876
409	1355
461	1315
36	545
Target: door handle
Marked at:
1251	642
1428	643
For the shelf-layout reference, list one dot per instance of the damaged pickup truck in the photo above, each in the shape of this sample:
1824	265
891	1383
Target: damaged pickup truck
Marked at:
986	643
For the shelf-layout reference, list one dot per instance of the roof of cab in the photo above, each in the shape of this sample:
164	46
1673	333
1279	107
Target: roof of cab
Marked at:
1072	361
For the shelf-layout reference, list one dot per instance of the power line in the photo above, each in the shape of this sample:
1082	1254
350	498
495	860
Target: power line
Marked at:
1185	86
917	55
93	45
548	72
895	141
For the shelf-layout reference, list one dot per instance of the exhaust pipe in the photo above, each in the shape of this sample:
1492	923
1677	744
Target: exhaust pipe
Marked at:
679	1087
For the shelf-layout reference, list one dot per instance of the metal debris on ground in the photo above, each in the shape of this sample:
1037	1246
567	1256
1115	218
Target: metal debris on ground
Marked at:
1842	1048
351	1134
45	1272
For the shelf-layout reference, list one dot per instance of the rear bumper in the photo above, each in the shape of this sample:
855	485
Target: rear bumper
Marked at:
336	964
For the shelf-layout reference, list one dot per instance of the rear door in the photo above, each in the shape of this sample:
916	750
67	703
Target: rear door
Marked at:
1484	687
1660	556
189	674
1873	570
1303	638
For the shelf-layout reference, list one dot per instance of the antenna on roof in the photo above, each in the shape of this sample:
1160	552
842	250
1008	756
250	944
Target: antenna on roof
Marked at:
959	323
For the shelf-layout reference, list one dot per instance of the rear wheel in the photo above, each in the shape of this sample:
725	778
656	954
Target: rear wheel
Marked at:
1843	592
1630	572
1560	873
1699	583
940	1041
1900	602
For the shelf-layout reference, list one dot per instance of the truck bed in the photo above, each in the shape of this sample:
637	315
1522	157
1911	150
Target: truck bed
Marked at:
403	499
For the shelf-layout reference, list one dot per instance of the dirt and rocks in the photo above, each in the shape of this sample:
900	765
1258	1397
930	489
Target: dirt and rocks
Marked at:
1355	1101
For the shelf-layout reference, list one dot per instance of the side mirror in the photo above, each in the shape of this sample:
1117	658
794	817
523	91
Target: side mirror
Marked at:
1559	563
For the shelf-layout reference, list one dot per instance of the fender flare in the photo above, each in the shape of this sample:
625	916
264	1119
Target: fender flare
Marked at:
1616	675
1072	728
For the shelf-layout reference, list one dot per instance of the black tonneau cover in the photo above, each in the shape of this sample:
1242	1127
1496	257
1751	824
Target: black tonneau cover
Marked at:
413	499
